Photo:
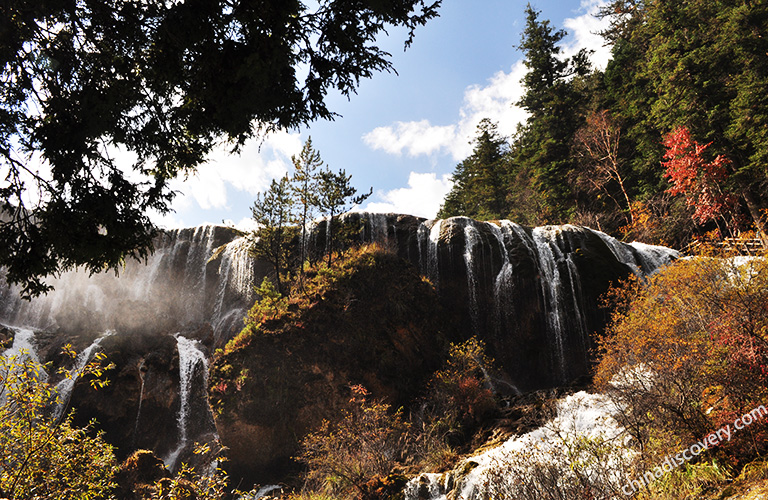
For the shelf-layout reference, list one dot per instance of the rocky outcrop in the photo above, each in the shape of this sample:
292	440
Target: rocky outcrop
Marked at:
373	321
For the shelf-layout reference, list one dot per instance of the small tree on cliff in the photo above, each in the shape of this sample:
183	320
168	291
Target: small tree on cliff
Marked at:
305	187
336	196
272	210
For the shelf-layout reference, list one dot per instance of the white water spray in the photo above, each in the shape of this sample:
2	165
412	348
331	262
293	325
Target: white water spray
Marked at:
65	387
190	357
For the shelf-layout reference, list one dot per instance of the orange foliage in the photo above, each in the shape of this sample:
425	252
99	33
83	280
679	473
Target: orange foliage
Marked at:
688	352
691	175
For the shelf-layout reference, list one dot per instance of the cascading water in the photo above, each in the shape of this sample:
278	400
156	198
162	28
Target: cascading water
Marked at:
471	242
191	359
142	376
67	384
578	298
559	444
22	350
22	347
549	257
641	258
179	287
428	239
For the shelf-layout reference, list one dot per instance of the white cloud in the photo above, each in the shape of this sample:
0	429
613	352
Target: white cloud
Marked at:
584	29
415	138
422	197
494	100
251	171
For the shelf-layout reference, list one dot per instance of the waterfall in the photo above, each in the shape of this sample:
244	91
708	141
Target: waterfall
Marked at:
67	384
578	297
428	239
138	410
190	357
641	258
23	346
503	291
236	273
580	418
179	286
551	284
21	351
471	242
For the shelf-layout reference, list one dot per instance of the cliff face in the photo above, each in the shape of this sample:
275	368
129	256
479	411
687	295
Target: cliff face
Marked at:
532	294
372	321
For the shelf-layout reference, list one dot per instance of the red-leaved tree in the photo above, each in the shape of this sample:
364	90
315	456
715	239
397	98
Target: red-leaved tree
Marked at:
701	181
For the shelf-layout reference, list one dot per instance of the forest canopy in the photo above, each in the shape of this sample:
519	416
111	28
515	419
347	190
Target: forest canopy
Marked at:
669	142
165	81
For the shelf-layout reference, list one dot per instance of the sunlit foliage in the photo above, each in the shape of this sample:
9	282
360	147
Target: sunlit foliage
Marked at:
688	353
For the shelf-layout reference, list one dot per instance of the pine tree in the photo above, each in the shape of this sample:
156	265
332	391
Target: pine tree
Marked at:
336	195
305	182
555	105
272	211
479	183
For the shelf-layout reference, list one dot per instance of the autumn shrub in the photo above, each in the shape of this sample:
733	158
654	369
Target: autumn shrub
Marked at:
458	400
43	457
687	353
459	395
366	442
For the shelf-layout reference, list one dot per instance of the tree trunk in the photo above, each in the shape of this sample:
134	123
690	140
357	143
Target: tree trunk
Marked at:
757	218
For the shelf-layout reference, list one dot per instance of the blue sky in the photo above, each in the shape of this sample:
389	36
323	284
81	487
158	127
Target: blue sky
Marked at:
404	133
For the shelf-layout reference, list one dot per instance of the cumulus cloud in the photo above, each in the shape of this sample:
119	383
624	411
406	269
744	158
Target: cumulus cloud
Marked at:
422	197
494	100
414	138
584	30
251	171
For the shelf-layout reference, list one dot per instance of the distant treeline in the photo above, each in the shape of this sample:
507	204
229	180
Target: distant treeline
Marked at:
668	144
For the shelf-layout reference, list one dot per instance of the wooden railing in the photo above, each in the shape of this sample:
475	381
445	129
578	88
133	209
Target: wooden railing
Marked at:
737	246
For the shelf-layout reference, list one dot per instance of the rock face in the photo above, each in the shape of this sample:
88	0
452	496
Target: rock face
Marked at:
531	293
375	322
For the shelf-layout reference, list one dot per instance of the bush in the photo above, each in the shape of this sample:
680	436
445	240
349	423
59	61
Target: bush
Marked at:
687	354
46	458
41	457
343	458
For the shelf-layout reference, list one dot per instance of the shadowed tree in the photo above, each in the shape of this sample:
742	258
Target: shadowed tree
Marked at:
165	82
336	196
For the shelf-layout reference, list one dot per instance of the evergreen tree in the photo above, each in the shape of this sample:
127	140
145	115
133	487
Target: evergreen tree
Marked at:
272	210
336	196
556	111
166	81
479	183
697	65
305	183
